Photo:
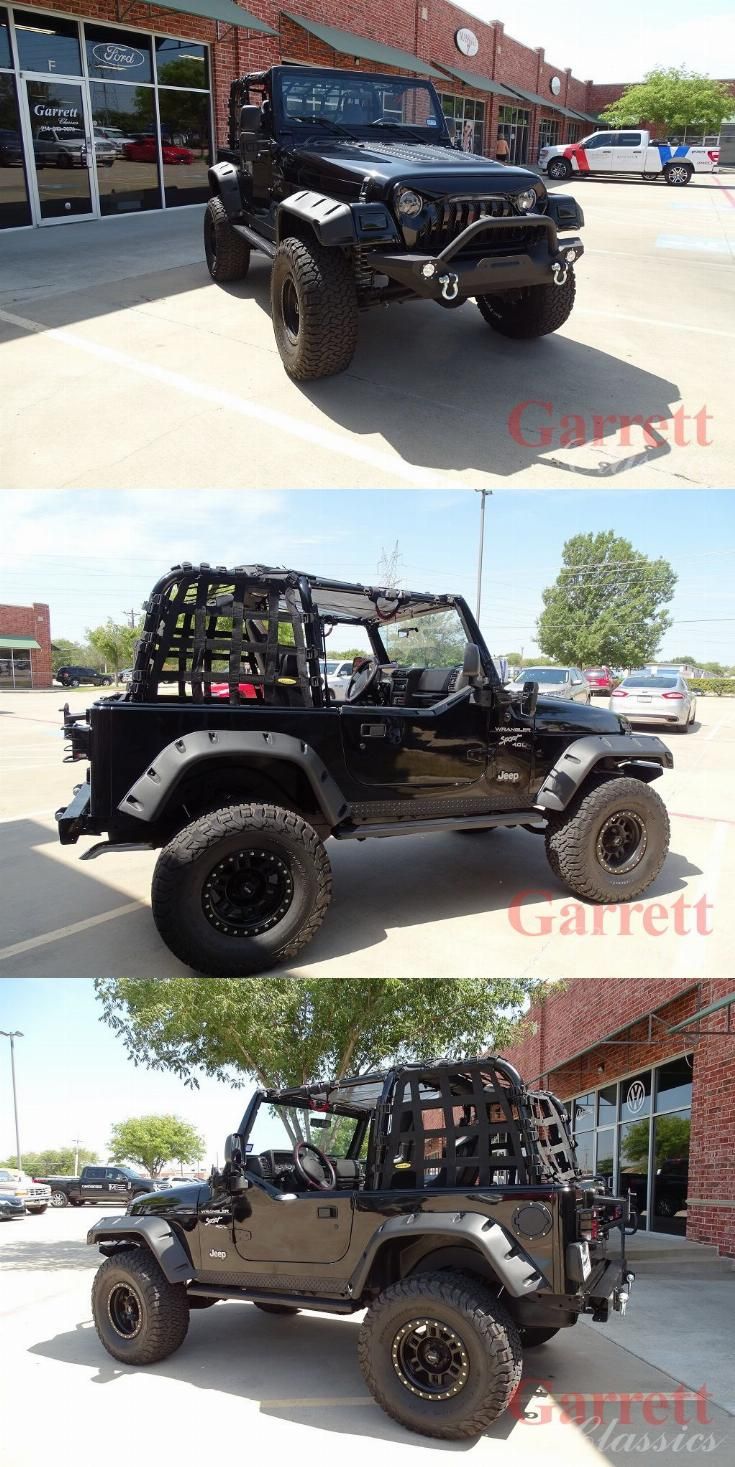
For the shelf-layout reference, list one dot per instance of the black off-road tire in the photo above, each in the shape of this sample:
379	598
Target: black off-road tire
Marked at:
539	310
314	306
277	1308
571	840
227	253
488	1335
559	168
674	173
531	1337
185	864
163	1308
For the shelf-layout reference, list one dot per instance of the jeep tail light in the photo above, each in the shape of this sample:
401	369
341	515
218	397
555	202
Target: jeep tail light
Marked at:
589	1225
672	695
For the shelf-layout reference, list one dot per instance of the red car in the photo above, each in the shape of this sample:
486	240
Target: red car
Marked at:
246	690
145	151
601	679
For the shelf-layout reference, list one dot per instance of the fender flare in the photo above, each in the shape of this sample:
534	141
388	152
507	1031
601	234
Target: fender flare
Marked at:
224	184
514	1268
152	1233
643	756
147	796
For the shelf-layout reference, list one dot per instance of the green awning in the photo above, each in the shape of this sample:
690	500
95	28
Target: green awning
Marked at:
534	97
225	11
586	117
350	44
481	83
21	644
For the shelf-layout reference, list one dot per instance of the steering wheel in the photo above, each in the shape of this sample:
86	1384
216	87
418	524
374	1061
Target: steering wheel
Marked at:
363	680
316	1170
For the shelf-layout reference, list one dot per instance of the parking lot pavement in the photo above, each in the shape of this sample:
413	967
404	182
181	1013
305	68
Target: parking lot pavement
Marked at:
248	1383
182	387
441	905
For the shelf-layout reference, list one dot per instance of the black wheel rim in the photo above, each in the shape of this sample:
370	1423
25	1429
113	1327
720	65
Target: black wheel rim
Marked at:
247	893
430	1359
290	309
124	1311
621	842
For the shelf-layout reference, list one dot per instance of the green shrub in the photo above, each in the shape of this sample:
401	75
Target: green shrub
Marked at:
712	687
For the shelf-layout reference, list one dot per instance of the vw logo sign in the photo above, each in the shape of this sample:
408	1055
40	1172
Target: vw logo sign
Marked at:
635	1099
117	58
466	41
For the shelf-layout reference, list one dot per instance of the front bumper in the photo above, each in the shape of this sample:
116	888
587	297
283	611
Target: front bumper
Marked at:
544	259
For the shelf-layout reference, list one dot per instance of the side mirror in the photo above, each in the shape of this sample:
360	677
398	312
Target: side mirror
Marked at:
530	699
250	119
472	662
233	1150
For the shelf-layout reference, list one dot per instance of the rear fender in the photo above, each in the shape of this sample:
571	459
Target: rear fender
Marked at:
500	1254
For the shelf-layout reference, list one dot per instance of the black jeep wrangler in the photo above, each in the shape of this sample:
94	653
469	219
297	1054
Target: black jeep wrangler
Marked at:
228	751
350	183
443	1198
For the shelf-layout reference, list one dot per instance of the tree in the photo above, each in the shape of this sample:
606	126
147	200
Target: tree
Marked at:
436	640
672	99
151	1141
54	1162
671	1140
64	653
115	642
607	603
304	1030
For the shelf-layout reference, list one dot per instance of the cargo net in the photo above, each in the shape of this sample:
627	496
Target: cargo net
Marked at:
554	1142
208	638
456	1130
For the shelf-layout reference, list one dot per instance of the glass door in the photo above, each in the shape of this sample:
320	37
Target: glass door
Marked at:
59	145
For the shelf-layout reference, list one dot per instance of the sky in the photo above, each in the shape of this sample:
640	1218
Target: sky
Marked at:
95	555
75	1080
622	43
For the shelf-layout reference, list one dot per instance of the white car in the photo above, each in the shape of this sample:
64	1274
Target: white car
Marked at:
656	697
569	683
338	677
630	150
35	1196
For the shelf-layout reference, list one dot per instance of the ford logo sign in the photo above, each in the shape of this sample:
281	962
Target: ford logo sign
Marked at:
117	57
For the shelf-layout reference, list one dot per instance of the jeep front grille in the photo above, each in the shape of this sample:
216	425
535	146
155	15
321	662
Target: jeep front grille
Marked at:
448	217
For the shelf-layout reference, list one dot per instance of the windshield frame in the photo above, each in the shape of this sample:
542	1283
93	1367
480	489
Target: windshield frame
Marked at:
357	131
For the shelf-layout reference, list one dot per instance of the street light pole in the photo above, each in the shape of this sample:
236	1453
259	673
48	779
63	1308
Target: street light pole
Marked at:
483	493
13	1034
76	1142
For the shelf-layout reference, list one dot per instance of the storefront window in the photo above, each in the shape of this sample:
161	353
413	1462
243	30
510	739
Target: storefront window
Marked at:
126	117
671	1171
181	64
605	1158
607	1105
185	145
60	148
465	120
15	669
15	209
47	43
635	1097
586	1152
514	126
118	55
674	1085
548	132
6	58
584	1112
634	1137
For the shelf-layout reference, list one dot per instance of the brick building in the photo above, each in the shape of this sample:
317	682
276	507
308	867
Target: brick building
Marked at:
651	1103
154	88
25	646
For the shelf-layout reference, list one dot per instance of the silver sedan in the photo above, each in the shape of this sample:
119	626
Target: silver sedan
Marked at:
656	697
569	683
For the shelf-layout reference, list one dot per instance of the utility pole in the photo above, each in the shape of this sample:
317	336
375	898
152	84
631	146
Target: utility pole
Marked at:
13	1034
76	1140
483	493
132	615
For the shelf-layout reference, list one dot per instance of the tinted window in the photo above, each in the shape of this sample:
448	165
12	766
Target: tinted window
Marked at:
584	1112
94	1173
607	1105
603	140
14	206
181	63
650	682
118	55
48	44
629	140
5	56
635	1096
674	1085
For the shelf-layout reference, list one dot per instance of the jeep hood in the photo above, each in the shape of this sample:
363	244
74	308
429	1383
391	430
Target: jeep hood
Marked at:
556	715
193	1194
427	165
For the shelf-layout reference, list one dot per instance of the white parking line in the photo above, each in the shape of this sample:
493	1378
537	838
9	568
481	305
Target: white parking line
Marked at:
205	395
645	321
17	948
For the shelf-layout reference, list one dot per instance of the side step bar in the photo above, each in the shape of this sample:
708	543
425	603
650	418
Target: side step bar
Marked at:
256	240
444	822
265	1296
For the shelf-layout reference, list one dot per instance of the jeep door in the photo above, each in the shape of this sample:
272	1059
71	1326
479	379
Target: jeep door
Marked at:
294	1229
442	749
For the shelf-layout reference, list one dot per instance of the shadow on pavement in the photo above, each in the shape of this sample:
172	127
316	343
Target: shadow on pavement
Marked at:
45	1254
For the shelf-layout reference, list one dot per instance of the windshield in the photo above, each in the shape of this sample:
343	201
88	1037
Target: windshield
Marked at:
278	1127
650	682
435	640
545	674
355	103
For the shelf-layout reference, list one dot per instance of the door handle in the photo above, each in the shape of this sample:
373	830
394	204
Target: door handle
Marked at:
373	730
326	1212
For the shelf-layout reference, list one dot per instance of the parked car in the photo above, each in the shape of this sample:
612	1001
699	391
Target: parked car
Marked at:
556	682
222	690
145	150
74	676
339	672
10	1207
11	149
116	136
601	679
55	146
655	697
35	1196
125	675
118	1184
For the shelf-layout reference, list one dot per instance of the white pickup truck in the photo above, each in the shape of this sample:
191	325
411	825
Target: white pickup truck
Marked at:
631	151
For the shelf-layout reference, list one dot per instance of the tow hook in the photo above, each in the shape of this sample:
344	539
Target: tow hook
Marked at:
559	271
450	286
622	1294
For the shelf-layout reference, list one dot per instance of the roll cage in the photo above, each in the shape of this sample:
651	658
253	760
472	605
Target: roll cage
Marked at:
208	625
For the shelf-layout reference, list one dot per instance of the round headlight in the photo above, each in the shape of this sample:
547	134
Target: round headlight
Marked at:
408	202
526	201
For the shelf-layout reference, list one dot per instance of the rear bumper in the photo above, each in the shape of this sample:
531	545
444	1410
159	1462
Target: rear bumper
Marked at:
544	260
609	1289
72	821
